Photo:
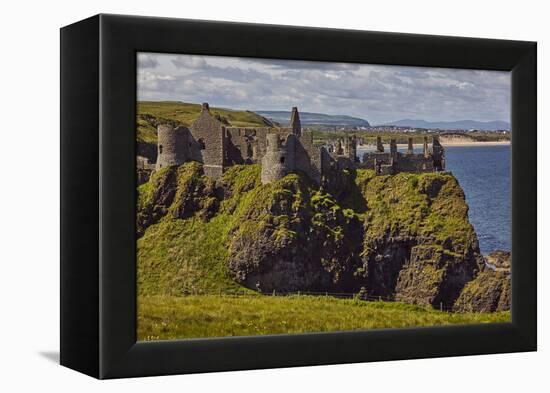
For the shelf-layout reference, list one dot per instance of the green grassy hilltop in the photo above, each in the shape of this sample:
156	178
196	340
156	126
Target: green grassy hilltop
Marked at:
151	113
203	244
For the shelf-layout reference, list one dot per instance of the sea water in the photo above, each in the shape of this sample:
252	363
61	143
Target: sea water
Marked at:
483	172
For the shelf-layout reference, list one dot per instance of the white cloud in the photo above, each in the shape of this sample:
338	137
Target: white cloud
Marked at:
374	92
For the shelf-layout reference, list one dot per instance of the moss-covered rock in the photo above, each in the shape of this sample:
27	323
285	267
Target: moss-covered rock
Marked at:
419	246
405	236
177	192
489	291
500	260
290	236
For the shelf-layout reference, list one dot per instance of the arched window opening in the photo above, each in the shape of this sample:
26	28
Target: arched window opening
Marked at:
160	149
282	160
202	144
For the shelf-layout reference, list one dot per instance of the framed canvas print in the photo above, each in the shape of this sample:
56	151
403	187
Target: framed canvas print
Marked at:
239	196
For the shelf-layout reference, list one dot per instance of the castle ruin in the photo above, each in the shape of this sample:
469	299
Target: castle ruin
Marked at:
280	150
389	163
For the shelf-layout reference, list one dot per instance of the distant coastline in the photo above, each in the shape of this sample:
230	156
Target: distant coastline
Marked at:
444	143
475	143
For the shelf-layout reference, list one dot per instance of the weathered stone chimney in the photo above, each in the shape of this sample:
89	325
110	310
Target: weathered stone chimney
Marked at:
205	106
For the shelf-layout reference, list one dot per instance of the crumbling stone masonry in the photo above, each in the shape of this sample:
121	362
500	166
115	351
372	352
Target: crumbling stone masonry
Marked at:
383	163
280	150
218	146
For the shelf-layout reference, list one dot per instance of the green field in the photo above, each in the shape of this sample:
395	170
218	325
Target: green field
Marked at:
172	317
185	289
152	112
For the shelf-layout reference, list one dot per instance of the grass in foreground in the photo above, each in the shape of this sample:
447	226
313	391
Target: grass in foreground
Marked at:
166	318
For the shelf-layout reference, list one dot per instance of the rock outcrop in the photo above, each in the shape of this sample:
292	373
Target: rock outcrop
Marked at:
499	260
404	237
293	237
176	192
489	291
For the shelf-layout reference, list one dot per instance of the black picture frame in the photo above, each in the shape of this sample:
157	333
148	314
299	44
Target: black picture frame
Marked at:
98	195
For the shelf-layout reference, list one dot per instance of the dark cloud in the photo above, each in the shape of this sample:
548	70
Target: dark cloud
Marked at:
147	61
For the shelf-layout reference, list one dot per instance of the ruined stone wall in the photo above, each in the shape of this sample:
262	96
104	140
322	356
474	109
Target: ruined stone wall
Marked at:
309	157
438	153
416	163
245	145
207	143
343	162
148	150
144	163
295	123
350	148
368	159
327	162
143	169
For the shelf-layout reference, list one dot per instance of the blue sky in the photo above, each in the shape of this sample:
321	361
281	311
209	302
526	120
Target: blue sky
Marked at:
376	93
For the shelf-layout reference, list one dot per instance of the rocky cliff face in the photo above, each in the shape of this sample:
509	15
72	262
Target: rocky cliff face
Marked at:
293	237
404	237
491	290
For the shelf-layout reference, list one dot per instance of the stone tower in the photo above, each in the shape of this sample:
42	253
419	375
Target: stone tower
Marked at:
295	123
170	145
278	160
